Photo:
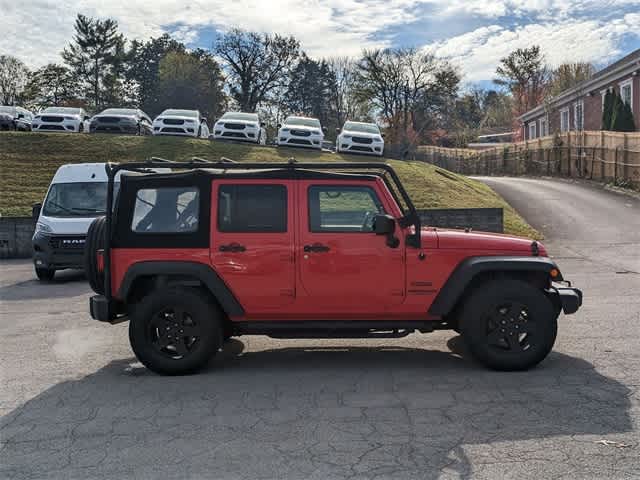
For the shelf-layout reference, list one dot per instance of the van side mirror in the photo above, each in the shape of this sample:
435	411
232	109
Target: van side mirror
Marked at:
35	210
386	225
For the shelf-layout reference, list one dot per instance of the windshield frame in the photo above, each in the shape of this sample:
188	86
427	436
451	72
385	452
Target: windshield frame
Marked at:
62	110
129	112
241	116
180	113
303	122
361	127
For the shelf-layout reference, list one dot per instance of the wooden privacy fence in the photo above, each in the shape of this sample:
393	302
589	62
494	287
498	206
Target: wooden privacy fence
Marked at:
603	156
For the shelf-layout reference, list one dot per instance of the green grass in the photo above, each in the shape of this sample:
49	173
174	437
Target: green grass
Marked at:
28	161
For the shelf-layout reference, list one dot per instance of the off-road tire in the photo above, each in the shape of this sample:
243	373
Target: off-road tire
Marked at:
529	309
45	274
198	307
95	241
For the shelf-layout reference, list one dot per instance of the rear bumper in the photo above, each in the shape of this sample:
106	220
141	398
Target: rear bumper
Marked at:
104	311
570	298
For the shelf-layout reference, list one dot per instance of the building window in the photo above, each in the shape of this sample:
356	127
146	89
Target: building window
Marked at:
532	130
578	112
626	92
544	127
564	120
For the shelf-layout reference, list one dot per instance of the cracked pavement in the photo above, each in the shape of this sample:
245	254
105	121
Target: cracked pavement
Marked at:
76	405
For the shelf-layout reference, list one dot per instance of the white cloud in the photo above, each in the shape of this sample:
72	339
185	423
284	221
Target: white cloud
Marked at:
479	51
37	30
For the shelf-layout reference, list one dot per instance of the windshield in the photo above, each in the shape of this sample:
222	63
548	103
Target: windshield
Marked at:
119	111
361	127
181	113
67	110
307	122
9	110
81	199
249	117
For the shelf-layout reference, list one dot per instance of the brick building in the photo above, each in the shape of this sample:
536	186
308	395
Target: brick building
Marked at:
580	107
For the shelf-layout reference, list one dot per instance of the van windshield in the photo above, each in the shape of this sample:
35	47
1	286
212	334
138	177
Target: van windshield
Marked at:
78	199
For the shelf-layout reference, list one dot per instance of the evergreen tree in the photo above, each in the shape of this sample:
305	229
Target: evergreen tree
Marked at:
623	121
96	57
607	110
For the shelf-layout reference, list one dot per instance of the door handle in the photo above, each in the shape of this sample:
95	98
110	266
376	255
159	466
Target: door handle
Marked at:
232	247
316	248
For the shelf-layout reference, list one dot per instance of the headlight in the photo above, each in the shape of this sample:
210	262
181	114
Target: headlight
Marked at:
377	139
189	121
346	137
284	129
70	118
315	132
43	228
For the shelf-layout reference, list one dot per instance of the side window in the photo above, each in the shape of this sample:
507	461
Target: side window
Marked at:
343	209
166	210
252	208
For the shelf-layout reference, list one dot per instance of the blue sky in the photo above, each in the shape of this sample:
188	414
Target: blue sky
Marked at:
472	34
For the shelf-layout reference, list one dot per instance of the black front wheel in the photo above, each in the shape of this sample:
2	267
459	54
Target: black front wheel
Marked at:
175	331
509	324
45	274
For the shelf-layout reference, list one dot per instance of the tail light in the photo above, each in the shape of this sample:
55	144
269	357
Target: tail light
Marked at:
100	260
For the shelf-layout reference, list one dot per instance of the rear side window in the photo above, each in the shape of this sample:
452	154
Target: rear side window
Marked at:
252	208
166	210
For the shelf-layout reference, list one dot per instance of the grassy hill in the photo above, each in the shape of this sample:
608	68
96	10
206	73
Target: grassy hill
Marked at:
29	160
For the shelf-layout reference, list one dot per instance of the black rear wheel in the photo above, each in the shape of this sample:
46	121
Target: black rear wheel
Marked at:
509	325
175	331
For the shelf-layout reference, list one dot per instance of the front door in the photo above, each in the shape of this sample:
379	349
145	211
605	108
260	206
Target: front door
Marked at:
252	243
344	267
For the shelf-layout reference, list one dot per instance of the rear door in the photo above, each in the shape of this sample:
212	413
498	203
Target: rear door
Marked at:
344	267
252	242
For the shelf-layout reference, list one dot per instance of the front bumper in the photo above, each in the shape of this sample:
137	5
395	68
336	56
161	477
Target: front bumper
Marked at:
58	252
123	129
569	298
65	126
289	140
180	130
245	135
349	146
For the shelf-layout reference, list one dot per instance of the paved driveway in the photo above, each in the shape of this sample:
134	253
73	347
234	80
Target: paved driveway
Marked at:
75	404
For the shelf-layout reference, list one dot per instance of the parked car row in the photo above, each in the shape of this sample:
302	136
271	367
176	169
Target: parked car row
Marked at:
295	131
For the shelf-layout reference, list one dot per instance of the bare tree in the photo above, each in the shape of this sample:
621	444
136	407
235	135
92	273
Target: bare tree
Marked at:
13	78
346	104
257	64
568	75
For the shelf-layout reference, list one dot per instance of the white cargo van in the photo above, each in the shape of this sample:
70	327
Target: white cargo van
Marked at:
77	195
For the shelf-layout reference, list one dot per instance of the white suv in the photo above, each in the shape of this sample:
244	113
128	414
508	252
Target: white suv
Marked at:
246	127
61	119
358	137
301	132
187	123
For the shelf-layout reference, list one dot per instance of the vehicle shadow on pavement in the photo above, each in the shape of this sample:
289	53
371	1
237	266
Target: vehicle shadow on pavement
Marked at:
320	412
66	283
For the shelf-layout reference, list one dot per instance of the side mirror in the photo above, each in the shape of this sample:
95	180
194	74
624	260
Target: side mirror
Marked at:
35	210
279	125
21	115
324	129
203	120
87	117
383	135
386	225
263	124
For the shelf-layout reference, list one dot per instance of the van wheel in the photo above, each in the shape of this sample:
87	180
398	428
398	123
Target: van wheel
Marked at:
175	331
45	274
509	325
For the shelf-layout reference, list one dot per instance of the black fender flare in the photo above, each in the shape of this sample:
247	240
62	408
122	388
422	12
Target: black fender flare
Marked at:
204	273
464	273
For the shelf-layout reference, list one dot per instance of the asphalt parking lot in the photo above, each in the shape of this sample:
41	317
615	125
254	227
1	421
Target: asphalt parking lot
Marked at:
75	404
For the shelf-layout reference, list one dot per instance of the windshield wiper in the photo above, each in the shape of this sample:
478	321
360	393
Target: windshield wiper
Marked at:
90	210
57	205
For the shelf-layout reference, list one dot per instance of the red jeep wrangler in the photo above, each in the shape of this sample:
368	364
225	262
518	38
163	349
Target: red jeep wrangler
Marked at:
212	250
